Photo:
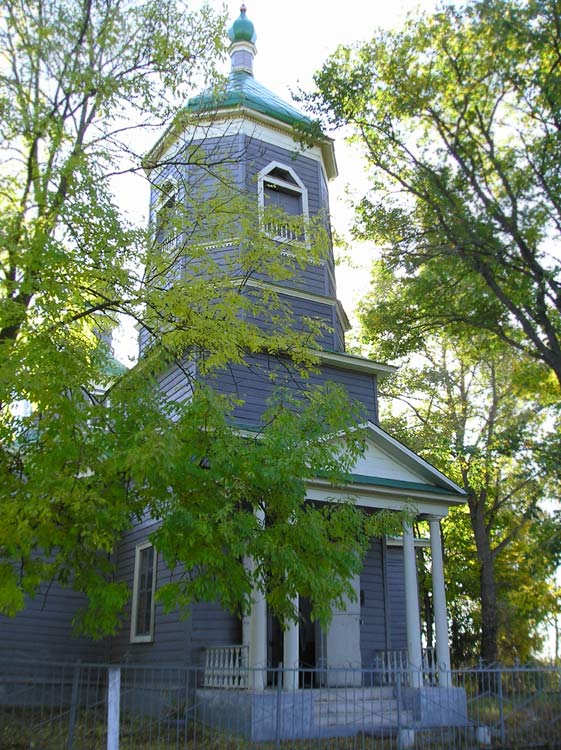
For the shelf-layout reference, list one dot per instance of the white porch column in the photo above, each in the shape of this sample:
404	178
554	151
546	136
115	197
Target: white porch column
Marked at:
291	648
412	614
246	619
258	632
439	601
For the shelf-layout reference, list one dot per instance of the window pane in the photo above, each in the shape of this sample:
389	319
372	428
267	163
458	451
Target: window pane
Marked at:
144	591
290	203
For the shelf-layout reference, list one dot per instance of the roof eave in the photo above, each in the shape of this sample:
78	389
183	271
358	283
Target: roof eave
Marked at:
185	119
360	364
403	494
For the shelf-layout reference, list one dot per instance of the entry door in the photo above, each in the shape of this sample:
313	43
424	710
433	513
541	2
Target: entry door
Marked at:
342	643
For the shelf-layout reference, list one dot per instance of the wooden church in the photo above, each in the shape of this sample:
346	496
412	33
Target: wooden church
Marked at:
259	131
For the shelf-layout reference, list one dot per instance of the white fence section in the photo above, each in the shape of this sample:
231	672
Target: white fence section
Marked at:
226	667
393	662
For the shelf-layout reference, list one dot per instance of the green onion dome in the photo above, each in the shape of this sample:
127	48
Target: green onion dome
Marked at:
242	30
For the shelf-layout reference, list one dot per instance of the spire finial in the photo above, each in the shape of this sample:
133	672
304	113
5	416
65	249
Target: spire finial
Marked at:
242	37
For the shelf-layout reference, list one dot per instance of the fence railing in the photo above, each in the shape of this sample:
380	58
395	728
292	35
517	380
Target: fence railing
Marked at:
121	707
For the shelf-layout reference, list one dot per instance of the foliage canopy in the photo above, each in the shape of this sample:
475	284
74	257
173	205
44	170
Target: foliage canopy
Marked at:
459	118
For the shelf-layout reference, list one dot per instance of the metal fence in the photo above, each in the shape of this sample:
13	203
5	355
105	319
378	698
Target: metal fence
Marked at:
94	707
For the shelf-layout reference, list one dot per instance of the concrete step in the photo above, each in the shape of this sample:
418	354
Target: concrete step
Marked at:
371	707
372	722
358	693
356	706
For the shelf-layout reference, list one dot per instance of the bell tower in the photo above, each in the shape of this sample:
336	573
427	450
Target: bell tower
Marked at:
257	136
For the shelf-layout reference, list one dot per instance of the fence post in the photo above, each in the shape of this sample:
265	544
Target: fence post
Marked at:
501	707
113	707
399	699
73	705
280	680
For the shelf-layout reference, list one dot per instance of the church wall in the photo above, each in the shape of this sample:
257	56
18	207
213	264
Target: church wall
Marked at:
177	639
171	633
298	309
396	596
310	278
373	605
212	626
43	630
318	278
253	385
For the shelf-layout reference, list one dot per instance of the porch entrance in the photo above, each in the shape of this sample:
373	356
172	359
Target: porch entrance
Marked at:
309	641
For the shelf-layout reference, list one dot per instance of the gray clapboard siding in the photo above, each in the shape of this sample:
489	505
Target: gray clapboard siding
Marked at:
338	330
252	383
311	277
396	596
293	313
177	381
195	182
171	644
212	626
43	631
373	606
259	154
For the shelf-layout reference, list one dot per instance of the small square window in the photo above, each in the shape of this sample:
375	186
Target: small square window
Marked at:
144	588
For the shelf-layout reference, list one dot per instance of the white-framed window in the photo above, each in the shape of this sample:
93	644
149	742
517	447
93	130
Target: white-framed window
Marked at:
279	187
143	590
165	213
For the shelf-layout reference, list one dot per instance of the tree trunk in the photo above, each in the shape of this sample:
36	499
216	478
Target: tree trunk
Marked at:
488	588
489	610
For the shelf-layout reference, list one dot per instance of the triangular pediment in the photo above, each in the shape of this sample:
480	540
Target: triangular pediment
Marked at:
386	462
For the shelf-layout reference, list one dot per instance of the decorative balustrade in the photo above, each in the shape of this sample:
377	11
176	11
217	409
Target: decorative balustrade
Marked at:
283	232
393	662
226	667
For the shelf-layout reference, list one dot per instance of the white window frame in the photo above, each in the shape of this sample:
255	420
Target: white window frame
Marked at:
144	637
169	190
295	187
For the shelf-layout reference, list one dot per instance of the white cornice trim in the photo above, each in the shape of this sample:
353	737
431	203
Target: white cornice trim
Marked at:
394	541
404	454
380	498
239	120
352	362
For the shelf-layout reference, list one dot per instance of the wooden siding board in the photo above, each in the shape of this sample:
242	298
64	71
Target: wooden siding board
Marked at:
171	630
252	383
309	278
293	313
43	630
372	611
396	596
259	155
212	626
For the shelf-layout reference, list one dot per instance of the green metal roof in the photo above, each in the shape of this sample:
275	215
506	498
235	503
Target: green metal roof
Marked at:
399	483
242	90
